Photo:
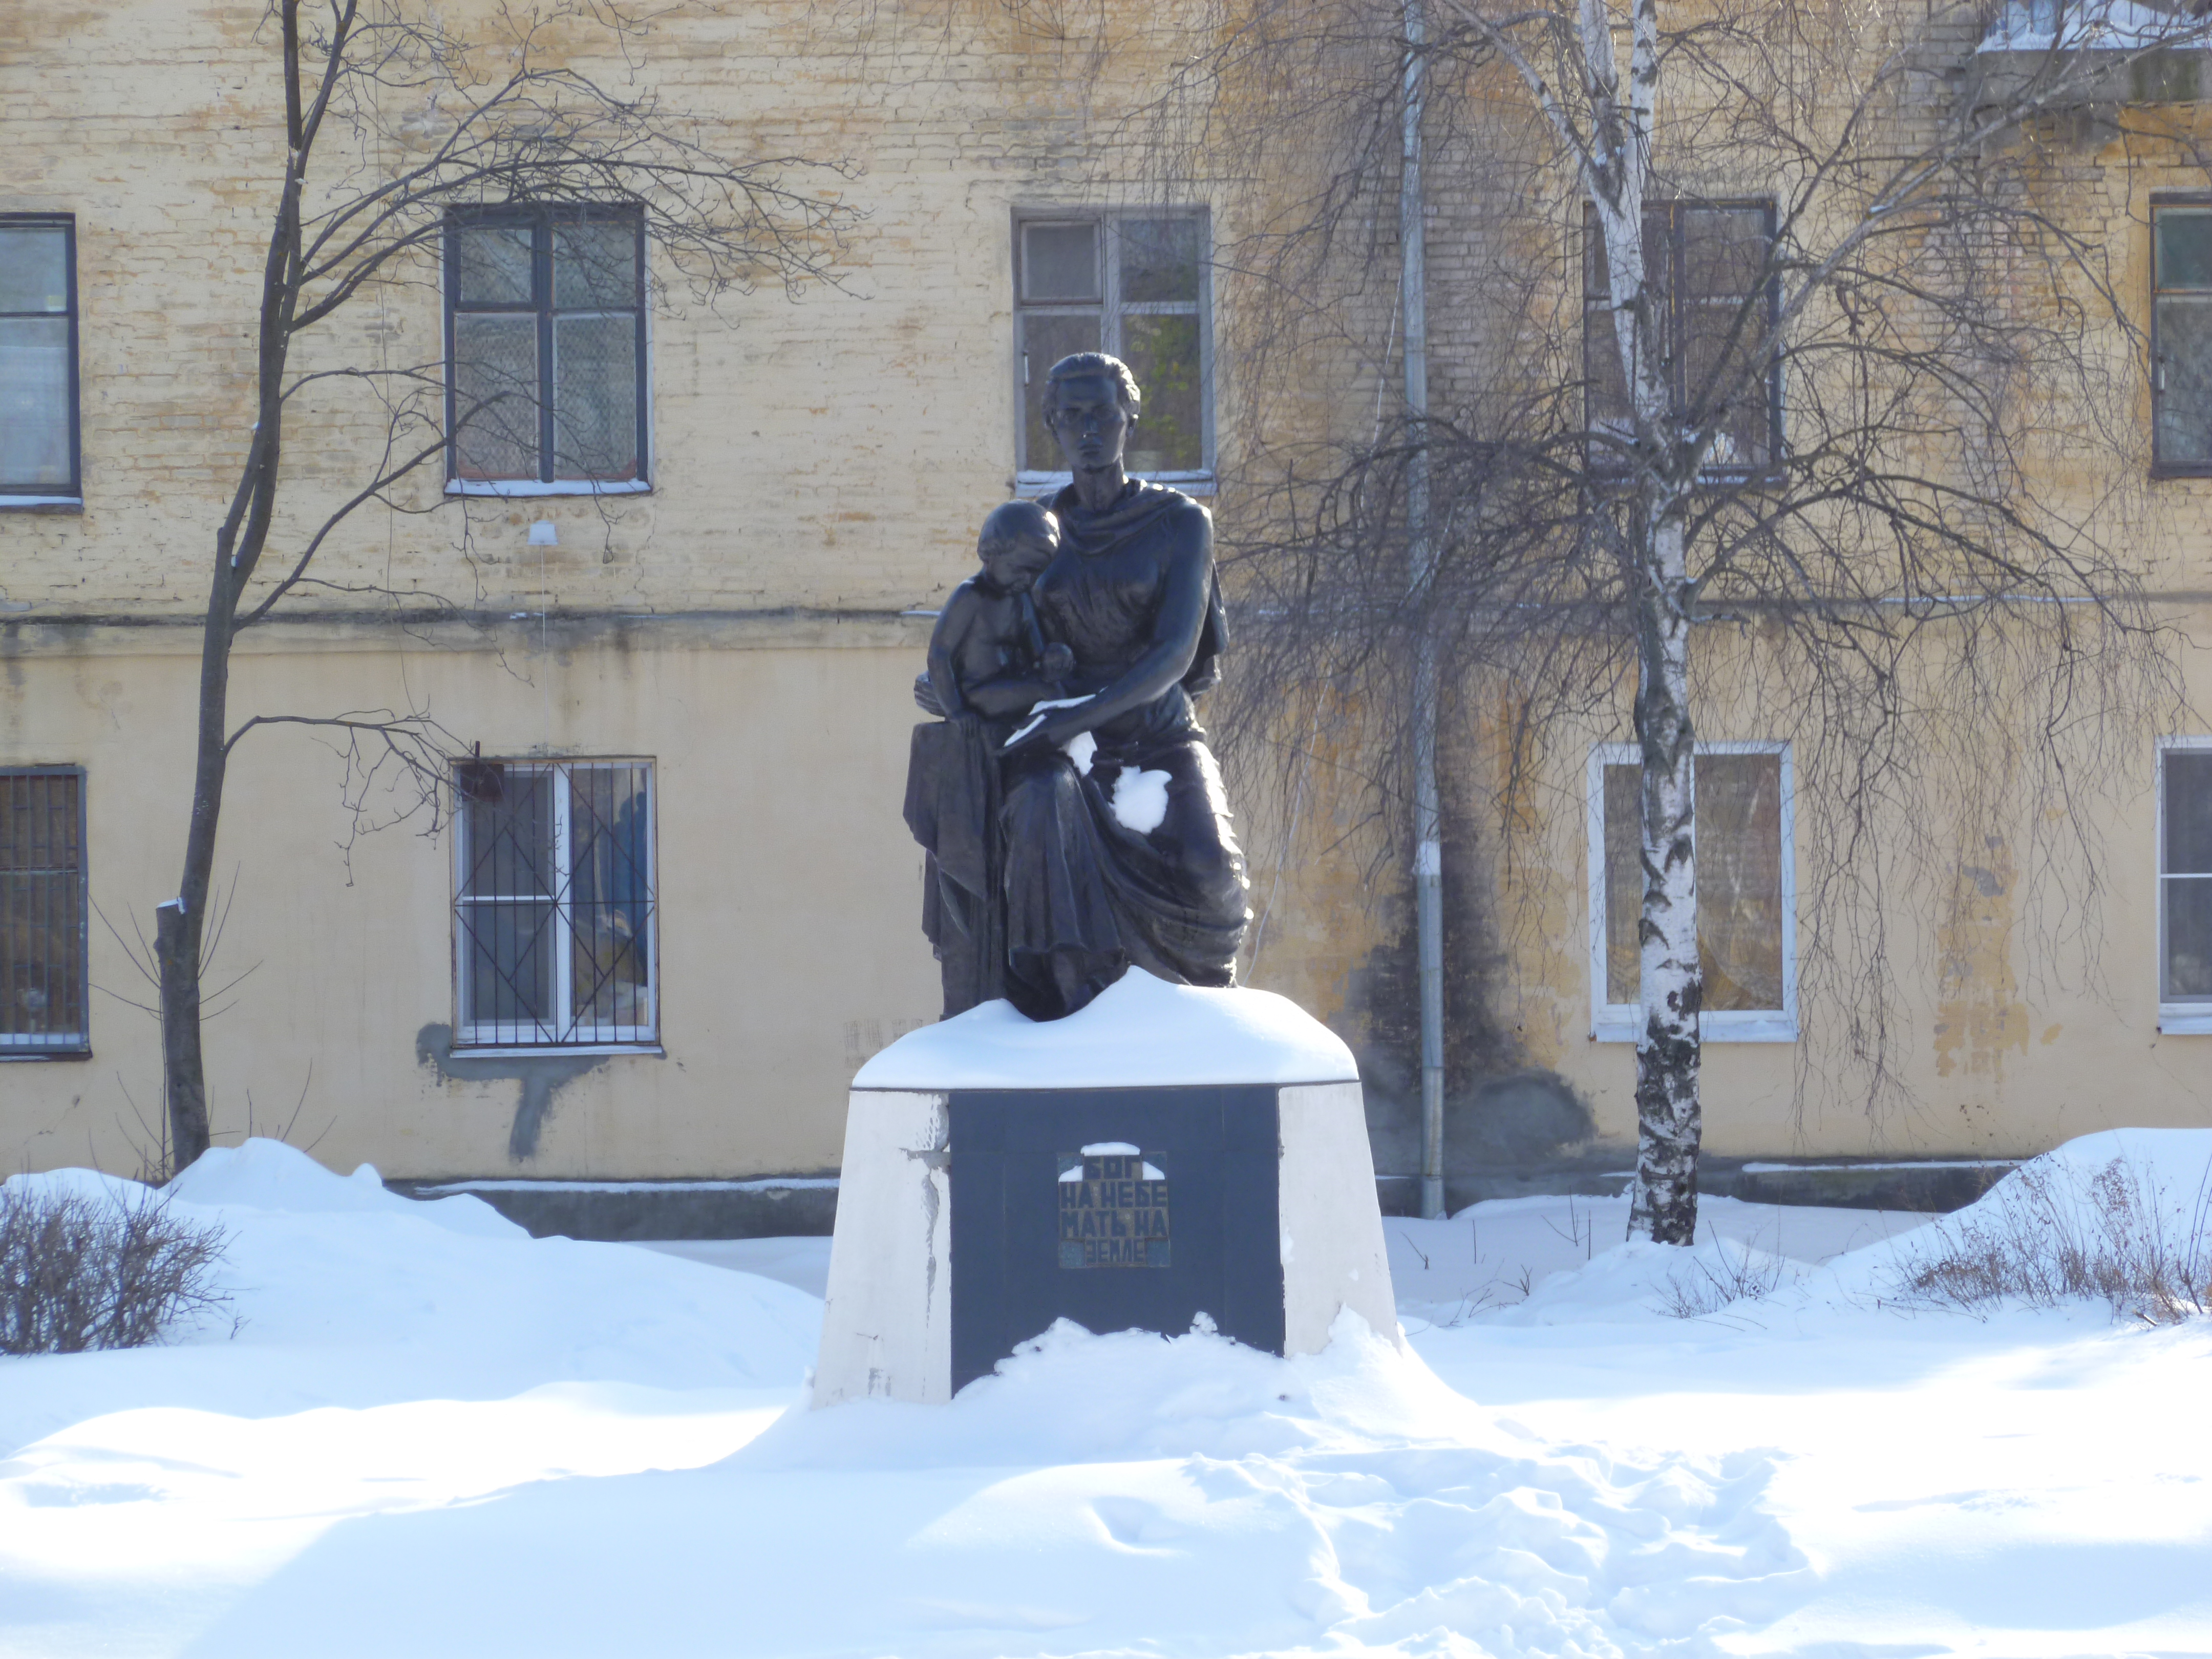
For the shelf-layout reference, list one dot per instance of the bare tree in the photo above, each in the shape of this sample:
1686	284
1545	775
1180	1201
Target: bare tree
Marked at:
1784	384
392	123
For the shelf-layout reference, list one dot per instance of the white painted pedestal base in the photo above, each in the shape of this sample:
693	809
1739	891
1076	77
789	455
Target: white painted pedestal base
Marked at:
887	1329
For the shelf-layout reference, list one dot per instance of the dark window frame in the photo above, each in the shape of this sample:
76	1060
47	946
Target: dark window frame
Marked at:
1111	309
2183	1013
1603	461
17	1049
31	496
2200	201
541	219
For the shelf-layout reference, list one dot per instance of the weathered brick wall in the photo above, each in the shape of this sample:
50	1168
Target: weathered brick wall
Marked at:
835	453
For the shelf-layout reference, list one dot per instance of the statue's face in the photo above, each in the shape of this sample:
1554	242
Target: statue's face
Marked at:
1090	422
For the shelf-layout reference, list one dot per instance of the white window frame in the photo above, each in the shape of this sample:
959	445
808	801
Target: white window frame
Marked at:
2192	1016
1031	480
1623	1022
491	1038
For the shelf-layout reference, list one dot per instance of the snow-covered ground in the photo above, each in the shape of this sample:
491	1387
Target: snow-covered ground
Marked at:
429	1434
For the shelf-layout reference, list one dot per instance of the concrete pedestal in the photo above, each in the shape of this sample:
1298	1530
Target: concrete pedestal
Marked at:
1168	1152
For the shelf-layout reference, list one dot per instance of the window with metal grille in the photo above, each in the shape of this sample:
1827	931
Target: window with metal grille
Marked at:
1133	285
1746	891
1716	300
43	988
2184	884
2181	336
554	918
39	463
545	348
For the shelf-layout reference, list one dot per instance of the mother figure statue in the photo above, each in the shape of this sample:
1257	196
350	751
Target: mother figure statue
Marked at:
1111	845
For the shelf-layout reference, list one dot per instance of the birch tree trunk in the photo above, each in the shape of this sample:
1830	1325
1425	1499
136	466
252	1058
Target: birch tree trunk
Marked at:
1617	177
1669	1122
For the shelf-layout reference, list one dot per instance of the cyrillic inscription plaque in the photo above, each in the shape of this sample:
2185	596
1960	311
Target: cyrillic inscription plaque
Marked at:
1113	1209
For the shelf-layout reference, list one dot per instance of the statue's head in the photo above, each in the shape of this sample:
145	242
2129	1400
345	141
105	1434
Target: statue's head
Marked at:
1091	402
1018	540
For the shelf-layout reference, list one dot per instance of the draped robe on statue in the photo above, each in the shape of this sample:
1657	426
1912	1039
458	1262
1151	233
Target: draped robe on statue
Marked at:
1125	854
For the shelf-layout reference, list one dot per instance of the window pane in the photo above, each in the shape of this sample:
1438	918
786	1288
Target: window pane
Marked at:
34	268
505	916
1723	250
493	264
507	830
1716	385
1045	340
1059	262
610	899
2188	812
2184	379
1159	260
496	396
1623	882
595	264
1171	432
34	400
42	978
1656	230
1606	405
1739	880
595	397
2187	940
507	976
2184	242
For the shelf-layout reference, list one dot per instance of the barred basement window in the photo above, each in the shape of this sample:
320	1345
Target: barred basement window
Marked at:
2184	885
1716	300
553	916
1747	892
1134	285
43	987
545	347
39	463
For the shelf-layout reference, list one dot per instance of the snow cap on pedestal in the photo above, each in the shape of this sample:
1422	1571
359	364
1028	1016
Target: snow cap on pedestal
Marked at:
1140	1032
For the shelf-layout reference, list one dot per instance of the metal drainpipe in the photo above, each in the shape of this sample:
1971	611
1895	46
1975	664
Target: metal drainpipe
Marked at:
1428	848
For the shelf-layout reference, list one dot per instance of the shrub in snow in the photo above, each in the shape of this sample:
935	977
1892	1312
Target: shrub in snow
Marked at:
2063	1229
83	1270
1717	1276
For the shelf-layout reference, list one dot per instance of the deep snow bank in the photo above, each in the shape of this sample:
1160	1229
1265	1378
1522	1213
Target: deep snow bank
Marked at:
344	1293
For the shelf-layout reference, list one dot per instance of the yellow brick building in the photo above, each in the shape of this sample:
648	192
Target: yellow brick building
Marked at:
711	662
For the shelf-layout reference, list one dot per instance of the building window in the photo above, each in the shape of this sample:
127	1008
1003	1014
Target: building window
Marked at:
2184	885
1134	285
43	988
553	914
1717	299
2181	337
39	462
1747	892
546	342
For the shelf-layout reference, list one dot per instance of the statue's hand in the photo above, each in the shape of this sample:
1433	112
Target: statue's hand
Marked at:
1059	662
924	696
1053	722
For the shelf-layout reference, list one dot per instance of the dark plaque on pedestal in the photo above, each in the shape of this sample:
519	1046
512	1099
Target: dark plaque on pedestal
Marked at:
1120	1209
1114	1208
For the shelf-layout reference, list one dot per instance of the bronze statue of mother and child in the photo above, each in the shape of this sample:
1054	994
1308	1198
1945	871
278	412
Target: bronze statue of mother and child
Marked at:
1074	817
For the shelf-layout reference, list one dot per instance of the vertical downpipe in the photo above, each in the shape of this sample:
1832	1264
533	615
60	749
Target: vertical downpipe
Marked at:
1428	847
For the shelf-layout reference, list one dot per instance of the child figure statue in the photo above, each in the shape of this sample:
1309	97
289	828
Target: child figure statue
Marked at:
989	666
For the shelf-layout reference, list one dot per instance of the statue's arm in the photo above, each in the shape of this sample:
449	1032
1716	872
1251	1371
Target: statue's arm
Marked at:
1189	590
944	639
